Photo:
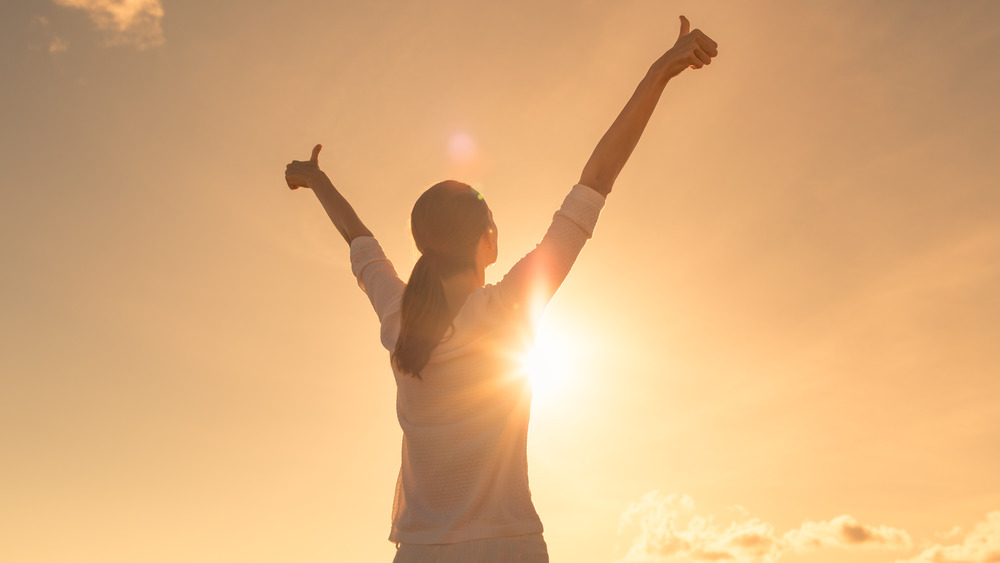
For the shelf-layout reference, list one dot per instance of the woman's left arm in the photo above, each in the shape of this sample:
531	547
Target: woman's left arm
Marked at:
307	174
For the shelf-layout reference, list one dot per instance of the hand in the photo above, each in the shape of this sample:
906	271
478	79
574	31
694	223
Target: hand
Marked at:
302	174
692	49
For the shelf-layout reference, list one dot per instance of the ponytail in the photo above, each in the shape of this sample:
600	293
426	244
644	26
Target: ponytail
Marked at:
424	317
447	222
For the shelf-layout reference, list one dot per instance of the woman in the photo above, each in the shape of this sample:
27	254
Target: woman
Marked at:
462	493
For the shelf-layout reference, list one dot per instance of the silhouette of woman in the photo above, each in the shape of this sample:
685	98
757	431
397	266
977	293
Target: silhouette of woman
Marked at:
462	493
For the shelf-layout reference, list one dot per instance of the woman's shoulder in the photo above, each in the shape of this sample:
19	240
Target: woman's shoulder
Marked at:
485	305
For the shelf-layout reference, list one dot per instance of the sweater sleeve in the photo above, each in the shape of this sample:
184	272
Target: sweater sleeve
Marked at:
535	278
376	277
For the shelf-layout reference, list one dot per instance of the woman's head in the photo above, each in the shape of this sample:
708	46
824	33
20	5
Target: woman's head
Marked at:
454	231
448	223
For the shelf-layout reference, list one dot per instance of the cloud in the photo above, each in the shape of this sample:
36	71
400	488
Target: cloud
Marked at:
126	22
739	509
668	531
953	533
50	41
981	545
845	532
58	45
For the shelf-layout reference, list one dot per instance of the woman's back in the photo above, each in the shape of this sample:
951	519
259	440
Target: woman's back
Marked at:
464	470
464	474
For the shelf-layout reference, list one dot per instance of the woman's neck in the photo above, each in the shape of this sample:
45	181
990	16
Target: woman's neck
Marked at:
458	287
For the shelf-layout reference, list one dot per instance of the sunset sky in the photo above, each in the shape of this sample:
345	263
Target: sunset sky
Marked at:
781	343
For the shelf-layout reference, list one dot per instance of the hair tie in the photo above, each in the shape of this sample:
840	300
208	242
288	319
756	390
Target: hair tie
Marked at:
431	255
444	263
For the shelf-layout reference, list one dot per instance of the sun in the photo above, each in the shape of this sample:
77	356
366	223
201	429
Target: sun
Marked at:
549	362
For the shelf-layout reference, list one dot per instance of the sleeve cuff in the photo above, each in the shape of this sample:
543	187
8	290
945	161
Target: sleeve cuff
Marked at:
583	206
364	251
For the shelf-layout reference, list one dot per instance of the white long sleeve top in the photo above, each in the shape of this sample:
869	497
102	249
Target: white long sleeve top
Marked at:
464	470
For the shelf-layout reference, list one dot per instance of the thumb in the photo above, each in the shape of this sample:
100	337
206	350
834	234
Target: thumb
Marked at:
315	155
685	27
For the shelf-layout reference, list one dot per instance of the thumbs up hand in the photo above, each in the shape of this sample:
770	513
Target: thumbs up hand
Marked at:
301	173
692	49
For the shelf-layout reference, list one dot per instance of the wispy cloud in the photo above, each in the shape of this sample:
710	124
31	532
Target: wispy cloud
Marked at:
980	545
58	45
50	41
668	531
125	22
847	533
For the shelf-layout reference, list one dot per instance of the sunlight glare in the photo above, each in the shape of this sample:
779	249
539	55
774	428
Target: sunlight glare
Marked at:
548	363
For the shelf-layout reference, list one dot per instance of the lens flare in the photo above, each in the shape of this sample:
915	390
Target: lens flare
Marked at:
462	147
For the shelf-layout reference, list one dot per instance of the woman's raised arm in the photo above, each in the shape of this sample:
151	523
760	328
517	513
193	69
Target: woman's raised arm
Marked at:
692	49
307	174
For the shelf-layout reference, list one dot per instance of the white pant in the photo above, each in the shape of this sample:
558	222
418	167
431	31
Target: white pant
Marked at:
518	549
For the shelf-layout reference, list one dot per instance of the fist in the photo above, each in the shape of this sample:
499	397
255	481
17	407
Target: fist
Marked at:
692	49
301	173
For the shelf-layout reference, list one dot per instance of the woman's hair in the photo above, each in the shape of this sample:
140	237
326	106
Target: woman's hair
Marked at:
447	222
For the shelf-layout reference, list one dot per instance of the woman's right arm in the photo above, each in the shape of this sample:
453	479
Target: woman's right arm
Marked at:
692	49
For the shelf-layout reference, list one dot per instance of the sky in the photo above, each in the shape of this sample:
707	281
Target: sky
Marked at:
779	345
